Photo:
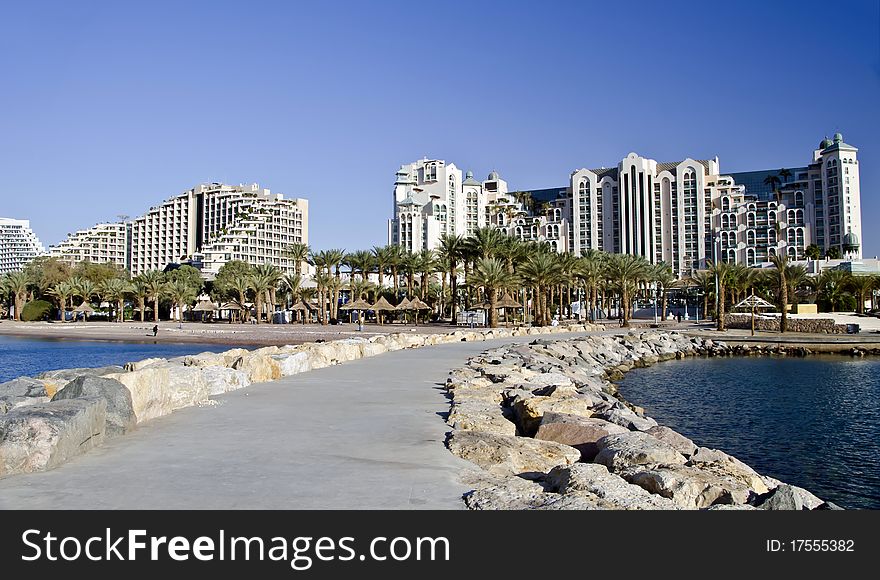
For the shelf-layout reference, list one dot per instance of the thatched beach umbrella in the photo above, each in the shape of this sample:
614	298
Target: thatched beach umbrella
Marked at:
85	308
405	304
205	306
303	307
417	305
507	302
380	305
360	305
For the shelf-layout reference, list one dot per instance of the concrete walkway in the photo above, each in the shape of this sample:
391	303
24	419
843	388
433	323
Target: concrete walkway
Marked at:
368	434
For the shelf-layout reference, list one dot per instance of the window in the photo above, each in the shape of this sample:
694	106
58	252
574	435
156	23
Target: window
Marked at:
584	188
725	204
798	198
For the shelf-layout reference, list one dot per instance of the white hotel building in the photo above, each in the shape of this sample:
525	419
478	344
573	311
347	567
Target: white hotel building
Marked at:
102	243
683	213
18	245
206	227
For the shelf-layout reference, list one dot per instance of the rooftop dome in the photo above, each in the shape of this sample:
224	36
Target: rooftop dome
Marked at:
469	175
493	176
851	240
825	144
838	138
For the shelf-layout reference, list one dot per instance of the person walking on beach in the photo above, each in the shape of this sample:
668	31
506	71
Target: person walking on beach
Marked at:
155	329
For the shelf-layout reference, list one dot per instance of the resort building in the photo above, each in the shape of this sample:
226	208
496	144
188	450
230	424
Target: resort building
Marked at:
212	224
102	243
684	213
18	245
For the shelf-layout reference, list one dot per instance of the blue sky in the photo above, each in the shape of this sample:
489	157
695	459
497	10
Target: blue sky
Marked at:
109	108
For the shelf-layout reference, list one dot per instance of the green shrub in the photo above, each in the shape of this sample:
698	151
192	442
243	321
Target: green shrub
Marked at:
36	310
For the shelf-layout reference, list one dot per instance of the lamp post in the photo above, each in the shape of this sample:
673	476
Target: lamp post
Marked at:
715	241
655	288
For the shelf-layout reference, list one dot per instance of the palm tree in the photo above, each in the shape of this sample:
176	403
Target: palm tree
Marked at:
813	252
425	263
663	276
240	282
335	259
114	290
381	258
625	272
591	272
272	276
706	282
773	182
84	288
16	283
299	253
408	267
451	249
359	288
723	273
781	264
492	275
334	285
323	281
62	291
182	294
361	261
486	242
862	286
395	260
154	283
831	287
140	291
261	282
541	272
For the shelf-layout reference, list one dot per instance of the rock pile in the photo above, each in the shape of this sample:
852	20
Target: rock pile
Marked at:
545	424
47	420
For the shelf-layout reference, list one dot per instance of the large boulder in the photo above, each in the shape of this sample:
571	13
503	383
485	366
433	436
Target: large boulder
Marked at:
511	455
582	433
508	493
219	380
120	416
259	367
681	443
293	364
142	364
158	390
790	497
689	487
477	415
722	464
529	410
58	379
625	417
211	359
45	435
596	479
619	451
21	392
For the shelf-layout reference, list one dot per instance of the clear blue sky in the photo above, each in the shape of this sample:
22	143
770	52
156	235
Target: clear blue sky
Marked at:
109	108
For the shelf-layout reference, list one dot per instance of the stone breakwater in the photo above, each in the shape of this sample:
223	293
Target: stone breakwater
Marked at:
805	325
49	419
548	430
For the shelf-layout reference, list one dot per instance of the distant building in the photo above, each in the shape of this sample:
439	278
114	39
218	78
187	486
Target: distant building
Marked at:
212	224
102	243
18	245
685	213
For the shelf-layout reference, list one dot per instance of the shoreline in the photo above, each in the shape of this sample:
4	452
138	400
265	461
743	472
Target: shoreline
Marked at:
549	429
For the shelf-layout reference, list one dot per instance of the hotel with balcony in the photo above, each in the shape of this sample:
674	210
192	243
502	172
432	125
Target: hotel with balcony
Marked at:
18	245
102	243
684	213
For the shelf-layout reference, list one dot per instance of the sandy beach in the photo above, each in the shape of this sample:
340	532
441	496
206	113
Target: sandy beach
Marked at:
217	333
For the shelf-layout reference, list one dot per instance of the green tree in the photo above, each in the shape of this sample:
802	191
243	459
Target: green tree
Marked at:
114	291
861	286
625	272
299	253
813	252
16	284
62	291
723	273
153	282
182	293
833	253
450	253
492	276
274	277
781	283
664	278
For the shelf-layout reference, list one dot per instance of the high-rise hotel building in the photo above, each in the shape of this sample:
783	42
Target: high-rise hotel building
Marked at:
206	227
18	245
684	213
99	244
212	224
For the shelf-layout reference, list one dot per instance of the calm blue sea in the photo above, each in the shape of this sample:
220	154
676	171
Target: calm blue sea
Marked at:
29	357
812	422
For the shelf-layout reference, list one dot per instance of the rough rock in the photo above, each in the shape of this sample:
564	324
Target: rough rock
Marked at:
689	487
619	451
790	497
507	454
722	464
120	417
507	493
221	380
160	389
582	433
259	367
485	416
596	479
58	379
293	364
21	392
678	441
530	410
45	435
627	418
141	364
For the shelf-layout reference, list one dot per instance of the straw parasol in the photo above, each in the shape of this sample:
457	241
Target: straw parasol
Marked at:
85	308
205	306
508	302
405	304
381	304
417	305
360	305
